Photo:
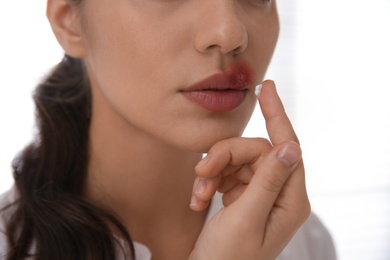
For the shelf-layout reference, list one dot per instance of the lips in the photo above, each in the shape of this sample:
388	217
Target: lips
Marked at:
221	92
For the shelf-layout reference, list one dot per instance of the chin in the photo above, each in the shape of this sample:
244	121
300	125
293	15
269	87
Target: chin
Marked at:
202	144
199	134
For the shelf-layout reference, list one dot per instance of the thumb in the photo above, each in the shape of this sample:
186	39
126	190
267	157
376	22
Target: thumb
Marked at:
268	181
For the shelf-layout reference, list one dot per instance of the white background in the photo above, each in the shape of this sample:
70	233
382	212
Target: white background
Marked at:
332	66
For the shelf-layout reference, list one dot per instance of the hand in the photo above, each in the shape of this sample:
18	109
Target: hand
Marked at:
264	190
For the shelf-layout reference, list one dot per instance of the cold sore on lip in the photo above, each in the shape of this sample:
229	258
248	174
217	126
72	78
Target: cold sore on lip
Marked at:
221	92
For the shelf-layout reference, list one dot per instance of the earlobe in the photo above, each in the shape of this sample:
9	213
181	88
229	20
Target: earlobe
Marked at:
66	26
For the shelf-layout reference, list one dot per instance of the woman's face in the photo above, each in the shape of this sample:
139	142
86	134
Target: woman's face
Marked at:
181	71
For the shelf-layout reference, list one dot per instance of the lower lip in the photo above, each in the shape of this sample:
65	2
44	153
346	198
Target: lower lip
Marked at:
217	101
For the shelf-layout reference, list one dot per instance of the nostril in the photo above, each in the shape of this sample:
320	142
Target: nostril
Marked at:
237	50
214	46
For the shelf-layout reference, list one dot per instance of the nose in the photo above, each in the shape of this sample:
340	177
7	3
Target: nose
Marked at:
220	26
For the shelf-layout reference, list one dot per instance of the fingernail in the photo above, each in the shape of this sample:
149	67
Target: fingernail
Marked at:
258	89
289	154
194	201
201	186
203	162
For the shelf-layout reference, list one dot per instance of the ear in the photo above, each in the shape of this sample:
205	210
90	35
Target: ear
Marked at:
66	26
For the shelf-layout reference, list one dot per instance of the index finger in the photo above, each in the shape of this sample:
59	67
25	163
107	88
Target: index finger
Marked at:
278	124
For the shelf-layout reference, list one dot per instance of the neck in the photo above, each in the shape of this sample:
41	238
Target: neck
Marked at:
140	179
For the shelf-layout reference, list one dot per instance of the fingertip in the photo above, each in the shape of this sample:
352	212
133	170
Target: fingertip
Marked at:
269	83
194	203
259	88
201	186
205	160
267	94
198	205
202	169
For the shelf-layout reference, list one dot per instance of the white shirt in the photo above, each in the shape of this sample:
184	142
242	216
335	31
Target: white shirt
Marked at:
311	242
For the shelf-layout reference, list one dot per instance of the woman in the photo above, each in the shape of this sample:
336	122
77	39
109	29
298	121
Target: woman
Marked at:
145	88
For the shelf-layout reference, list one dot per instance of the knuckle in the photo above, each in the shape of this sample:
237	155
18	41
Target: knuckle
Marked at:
306	210
302	213
274	181
263	142
226	142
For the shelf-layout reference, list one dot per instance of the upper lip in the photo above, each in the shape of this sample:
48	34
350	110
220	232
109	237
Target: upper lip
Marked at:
238	78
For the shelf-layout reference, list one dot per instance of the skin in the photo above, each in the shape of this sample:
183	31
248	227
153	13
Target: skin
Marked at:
146	140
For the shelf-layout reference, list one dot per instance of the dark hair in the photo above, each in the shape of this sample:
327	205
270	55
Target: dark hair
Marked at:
50	213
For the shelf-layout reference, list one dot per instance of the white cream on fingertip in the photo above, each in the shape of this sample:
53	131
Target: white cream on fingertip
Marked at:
258	89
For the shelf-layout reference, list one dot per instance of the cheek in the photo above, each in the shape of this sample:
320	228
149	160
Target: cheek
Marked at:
115	35
263	36
132	47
